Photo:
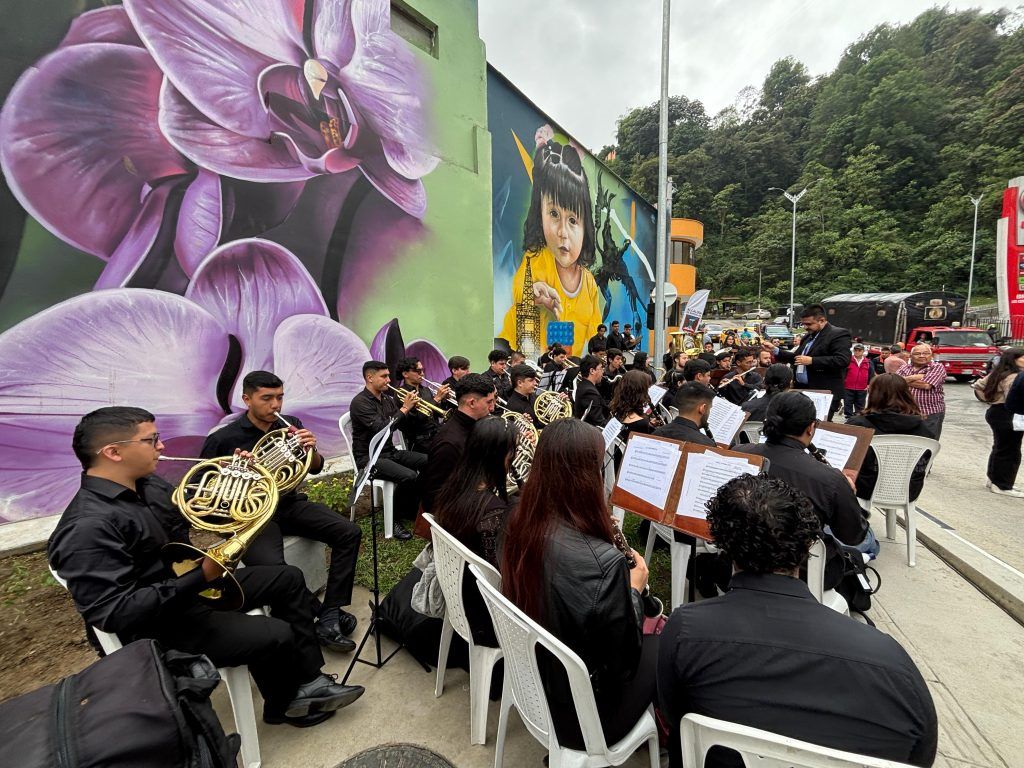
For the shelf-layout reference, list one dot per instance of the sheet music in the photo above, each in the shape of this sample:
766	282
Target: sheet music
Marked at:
377	443
836	445
545	380
725	420
705	474
610	432
822	403
559	379
648	467
656	393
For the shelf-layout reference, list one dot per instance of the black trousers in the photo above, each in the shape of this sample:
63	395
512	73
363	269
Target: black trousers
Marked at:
281	649
298	516
402	468
1004	460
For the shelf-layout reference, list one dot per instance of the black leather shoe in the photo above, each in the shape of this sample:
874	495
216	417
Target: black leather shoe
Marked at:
313	718
338	620
400	533
322	694
330	637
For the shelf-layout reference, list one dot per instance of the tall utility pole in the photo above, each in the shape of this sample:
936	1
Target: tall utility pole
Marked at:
974	245
759	289
794	199
664	205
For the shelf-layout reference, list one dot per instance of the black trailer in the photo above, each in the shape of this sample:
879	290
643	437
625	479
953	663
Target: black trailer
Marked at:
886	318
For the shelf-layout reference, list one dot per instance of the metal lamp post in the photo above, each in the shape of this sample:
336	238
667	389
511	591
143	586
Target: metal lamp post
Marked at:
664	203
794	199
974	245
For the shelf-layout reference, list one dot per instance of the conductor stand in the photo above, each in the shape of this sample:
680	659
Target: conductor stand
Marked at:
366	478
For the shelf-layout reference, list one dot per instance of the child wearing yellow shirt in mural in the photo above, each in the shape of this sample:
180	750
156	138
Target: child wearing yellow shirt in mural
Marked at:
558	244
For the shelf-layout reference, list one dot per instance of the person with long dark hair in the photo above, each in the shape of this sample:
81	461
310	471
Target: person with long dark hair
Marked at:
789	426
641	363
1004	460
560	567
890	410
473	502
777	379
630	402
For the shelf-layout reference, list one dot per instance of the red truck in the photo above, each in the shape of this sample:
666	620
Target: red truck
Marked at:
932	317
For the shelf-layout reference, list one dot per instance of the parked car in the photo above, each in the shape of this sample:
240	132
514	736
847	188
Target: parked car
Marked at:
758	314
714	330
779	331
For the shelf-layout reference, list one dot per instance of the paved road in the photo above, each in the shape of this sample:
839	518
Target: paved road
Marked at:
955	492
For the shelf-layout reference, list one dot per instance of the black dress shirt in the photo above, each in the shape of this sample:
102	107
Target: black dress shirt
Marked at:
681	428
501	381
589	402
418	429
444	455
447	404
107	546
595	342
370	416
523	404
615	341
769	656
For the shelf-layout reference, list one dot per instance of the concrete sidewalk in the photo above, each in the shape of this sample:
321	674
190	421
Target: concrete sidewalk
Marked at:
968	649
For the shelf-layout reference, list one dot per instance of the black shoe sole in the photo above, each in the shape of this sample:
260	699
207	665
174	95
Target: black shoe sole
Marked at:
307	721
322	704
343	646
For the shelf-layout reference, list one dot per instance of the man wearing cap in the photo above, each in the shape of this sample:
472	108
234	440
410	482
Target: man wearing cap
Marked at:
858	374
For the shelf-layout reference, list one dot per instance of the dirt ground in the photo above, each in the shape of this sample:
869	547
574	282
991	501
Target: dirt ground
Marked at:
42	638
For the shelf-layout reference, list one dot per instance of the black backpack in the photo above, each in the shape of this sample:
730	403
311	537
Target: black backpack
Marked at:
139	706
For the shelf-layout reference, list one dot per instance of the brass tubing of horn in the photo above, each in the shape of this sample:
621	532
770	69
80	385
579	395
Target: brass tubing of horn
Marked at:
422	406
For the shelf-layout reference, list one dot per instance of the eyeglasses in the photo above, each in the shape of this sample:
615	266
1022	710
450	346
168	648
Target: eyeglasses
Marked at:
152	440
417	370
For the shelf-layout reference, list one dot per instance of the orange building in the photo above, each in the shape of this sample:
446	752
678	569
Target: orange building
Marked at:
687	236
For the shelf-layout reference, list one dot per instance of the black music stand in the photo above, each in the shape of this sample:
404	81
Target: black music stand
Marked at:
363	479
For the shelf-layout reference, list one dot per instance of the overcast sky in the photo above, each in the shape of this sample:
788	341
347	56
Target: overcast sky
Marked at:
588	62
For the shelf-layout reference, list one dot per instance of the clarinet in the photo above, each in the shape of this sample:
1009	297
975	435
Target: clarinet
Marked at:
652	605
817	453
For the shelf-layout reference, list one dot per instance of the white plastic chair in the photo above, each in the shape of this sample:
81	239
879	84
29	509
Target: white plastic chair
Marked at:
679	554
383	490
236	680
816	580
450	559
519	637
897	456
762	749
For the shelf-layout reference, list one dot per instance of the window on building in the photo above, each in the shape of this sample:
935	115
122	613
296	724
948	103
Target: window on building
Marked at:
414	27
682	252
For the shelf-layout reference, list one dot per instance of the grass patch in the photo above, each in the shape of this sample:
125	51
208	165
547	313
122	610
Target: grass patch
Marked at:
25	574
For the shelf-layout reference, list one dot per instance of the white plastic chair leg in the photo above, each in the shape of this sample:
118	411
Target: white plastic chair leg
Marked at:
652	535
911	527
654	752
481	666
503	710
680	553
442	655
389	510
890	524
240	693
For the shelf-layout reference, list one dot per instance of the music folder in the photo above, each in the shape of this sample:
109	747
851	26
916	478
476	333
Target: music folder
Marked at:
844	445
669	481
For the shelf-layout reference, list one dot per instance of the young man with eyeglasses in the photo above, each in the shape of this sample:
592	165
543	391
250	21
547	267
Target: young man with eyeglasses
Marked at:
296	515
107	546
419	429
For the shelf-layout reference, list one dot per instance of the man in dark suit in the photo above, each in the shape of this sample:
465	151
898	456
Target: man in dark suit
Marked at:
821	358
694	403
589	405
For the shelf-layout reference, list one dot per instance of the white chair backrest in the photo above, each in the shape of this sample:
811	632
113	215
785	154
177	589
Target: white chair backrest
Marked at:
450	559
897	456
816	569
345	425
752	429
108	641
762	749
519	635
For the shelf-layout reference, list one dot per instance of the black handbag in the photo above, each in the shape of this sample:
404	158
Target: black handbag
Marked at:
138	707
860	581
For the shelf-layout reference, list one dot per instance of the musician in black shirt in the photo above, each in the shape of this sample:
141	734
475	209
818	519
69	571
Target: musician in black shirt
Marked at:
693	401
589	405
107	546
296	515
459	367
523	398
419	429
373	409
768	655
497	374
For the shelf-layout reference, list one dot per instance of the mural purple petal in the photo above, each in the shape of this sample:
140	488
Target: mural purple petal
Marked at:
435	364
408	195
224	151
130	252
104	25
125	346
334	35
81	127
382	79
321	364
379	345
251	286
214	51
200	221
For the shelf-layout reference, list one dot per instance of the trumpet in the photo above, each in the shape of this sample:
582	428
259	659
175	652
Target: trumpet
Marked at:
435	387
425	408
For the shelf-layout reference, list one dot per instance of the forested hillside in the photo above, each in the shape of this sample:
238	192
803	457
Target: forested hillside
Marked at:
912	120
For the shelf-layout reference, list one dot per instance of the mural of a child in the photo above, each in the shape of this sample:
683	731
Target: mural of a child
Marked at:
559	244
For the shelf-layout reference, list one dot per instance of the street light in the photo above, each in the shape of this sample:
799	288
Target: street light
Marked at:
974	244
664	204
794	199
